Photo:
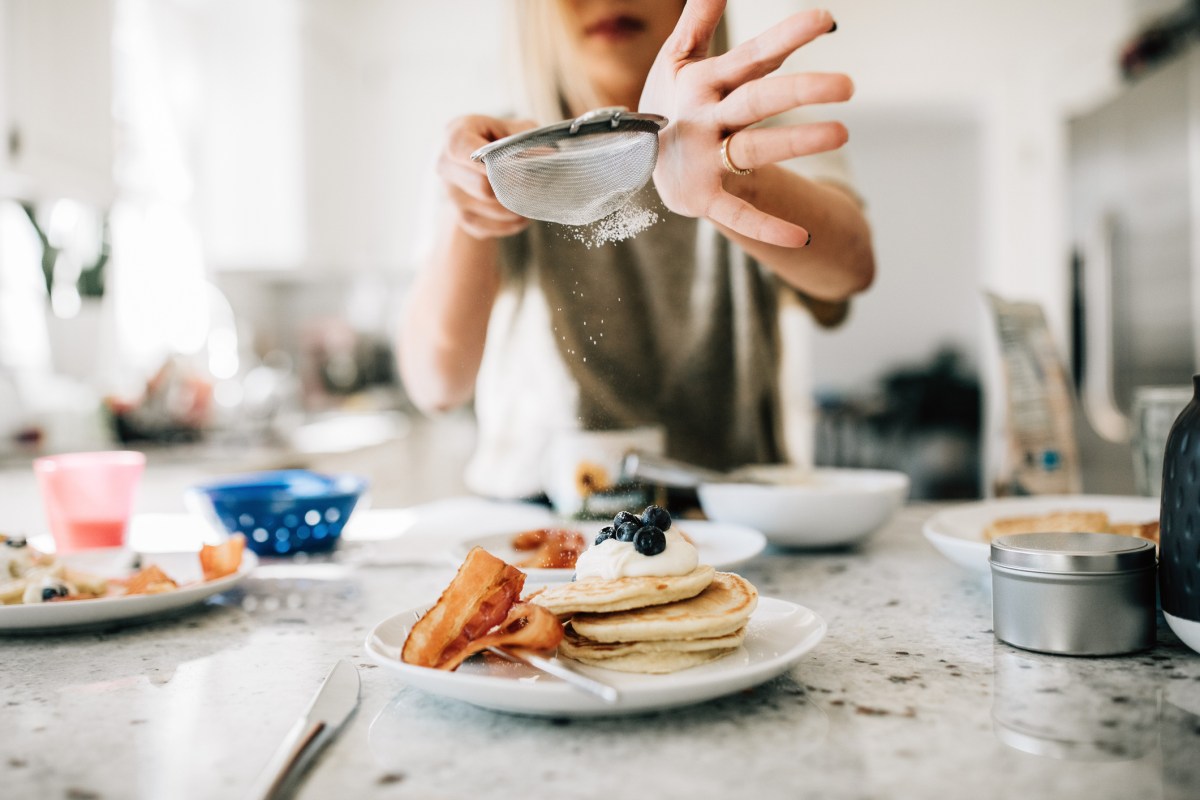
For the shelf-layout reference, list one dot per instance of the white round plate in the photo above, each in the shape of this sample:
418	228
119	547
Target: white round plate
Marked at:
778	635
723	545
957	532
810	509
114	562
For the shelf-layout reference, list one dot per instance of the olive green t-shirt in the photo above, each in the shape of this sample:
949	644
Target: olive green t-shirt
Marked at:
676	326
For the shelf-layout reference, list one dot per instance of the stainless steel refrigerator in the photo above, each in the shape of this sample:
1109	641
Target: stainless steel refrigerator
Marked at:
1134	194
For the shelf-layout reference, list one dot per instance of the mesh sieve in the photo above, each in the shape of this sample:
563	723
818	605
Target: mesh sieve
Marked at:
577	171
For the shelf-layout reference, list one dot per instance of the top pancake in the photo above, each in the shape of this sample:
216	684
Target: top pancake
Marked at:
722	608
597	595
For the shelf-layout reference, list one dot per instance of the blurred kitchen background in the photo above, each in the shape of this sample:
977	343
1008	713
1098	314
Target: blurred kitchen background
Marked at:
210	211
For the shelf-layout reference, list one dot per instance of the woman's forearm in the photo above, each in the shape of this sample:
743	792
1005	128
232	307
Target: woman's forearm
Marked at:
838	262
445	323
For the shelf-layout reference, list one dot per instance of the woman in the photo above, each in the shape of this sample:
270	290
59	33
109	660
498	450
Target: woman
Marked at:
678	325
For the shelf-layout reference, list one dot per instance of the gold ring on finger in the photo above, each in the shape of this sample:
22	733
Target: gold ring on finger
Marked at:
729	165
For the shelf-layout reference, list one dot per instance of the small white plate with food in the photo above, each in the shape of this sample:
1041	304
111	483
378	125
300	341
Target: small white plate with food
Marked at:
778	635
106	586
548	554
963	533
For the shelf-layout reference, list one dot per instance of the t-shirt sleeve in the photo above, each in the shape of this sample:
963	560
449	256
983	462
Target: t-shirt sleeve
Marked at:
826	313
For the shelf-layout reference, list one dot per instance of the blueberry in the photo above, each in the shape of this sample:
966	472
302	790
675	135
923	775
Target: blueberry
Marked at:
627	530
624	516
656	516
605	534
49	593
650	540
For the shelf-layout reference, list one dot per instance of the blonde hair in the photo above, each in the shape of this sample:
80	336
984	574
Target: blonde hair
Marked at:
554	80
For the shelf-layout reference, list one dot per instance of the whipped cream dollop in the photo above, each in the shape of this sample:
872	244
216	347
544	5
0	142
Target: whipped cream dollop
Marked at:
612	559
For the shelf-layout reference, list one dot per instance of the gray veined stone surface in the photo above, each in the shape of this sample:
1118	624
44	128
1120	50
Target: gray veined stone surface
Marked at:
908	696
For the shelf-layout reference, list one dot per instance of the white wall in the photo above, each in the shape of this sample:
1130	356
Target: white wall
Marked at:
250	132
1019	67
922	177
381	80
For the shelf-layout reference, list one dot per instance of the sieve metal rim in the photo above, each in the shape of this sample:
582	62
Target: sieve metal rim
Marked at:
591	122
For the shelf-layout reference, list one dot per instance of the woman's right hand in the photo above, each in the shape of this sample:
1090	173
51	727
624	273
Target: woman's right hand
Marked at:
479	213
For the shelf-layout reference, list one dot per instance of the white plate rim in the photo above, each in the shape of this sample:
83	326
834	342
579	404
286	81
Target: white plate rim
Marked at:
754	542
945	529
641	693
49	617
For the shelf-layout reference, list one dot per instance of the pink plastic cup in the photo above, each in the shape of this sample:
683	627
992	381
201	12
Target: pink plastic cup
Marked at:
89	496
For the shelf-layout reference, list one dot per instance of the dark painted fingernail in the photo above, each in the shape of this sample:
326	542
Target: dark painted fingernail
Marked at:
809	240
832	27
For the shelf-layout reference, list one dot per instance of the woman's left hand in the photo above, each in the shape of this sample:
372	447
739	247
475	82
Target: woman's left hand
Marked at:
707	99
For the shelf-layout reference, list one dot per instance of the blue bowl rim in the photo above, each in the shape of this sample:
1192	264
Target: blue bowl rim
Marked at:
274	485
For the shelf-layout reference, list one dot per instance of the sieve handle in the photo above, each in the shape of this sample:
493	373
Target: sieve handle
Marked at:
610	113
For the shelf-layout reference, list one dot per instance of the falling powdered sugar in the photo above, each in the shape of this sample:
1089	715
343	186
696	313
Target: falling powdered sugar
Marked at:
626	222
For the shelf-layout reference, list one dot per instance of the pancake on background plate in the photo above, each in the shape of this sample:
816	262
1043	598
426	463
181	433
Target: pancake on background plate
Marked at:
1069	521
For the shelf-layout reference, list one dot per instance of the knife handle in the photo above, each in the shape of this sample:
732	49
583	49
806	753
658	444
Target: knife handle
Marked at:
285	759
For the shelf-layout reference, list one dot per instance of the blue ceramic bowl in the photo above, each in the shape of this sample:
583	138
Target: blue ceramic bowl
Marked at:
285	511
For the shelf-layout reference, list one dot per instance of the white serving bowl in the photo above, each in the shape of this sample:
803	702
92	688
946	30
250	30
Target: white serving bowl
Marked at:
813	508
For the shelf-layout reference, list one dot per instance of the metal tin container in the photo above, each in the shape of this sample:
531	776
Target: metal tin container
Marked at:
1079	594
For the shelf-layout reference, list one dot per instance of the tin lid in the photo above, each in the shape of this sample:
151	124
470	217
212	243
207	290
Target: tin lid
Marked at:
1073	553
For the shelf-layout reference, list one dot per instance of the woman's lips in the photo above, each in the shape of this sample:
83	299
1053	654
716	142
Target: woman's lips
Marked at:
621	27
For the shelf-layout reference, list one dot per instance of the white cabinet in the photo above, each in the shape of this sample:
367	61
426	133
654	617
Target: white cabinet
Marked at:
56	99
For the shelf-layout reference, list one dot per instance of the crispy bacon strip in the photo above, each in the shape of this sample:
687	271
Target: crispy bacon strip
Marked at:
476	601
527	625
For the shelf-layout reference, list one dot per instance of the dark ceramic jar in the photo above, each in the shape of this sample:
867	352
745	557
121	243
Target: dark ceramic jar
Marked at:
1179	520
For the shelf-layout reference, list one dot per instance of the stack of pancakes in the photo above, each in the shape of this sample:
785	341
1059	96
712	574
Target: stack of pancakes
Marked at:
652	624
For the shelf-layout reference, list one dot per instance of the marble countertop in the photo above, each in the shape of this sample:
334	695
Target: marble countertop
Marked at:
908	696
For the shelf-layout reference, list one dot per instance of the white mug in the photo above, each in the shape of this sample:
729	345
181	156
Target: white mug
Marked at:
580	462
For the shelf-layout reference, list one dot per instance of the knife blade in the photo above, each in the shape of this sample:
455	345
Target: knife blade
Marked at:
332	705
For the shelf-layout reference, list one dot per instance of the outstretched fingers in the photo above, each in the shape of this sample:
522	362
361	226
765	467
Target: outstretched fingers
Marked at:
753	102
694	32
741	217
751	149
766	52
